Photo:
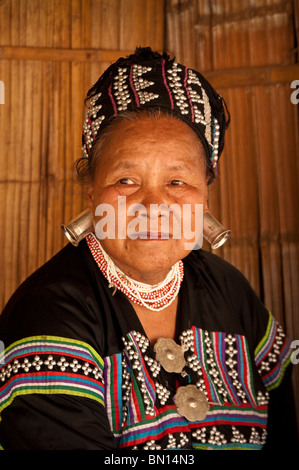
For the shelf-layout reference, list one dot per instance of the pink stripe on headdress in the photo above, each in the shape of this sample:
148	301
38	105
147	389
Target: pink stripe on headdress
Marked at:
111	97
165	82
188	95
133	88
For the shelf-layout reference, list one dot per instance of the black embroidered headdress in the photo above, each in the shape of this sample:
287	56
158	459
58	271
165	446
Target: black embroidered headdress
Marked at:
150	80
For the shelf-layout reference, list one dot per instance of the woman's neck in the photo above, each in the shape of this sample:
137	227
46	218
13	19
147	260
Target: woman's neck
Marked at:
160	324
151	278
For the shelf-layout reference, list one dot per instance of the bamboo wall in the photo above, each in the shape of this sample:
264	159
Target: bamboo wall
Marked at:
249	52
51	51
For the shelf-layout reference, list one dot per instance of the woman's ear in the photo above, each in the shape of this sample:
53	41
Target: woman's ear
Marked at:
206	199
90	198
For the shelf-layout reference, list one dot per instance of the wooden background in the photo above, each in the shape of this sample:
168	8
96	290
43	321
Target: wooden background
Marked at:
51	51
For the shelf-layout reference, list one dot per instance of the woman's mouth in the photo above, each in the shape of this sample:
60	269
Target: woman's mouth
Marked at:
150	236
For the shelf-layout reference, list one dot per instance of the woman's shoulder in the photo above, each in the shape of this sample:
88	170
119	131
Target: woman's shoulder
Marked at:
226	283
63	268
54	298
209	264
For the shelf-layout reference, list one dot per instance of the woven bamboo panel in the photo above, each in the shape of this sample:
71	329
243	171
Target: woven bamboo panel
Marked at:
248	50
51	52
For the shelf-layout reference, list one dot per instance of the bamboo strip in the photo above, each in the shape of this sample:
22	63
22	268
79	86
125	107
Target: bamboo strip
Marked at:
11	248
25	165
172	44
44	98
11	30
35	141
186	18
53	170
129	25
268	198
61	54
154	23
59	201
96	22
255	75
86	14
12	127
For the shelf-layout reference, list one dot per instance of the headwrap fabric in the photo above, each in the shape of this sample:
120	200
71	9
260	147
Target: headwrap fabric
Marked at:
149	80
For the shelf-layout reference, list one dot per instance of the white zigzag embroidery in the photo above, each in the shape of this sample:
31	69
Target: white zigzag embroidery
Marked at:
199	116
141	83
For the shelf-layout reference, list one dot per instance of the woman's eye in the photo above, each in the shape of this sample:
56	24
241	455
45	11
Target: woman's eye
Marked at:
176	182
125	181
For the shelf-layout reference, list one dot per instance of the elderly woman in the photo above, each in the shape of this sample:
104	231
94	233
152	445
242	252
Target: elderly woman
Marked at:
138	341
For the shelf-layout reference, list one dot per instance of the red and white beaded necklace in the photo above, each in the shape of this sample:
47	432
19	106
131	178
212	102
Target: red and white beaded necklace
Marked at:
155	297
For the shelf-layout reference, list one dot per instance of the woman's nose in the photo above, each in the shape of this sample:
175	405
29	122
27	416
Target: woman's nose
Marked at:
153	197
150	203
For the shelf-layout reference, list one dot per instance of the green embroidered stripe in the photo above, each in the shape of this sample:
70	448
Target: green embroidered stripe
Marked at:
55	340
265	338
51	365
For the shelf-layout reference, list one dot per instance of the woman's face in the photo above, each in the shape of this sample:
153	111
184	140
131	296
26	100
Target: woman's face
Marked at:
148	162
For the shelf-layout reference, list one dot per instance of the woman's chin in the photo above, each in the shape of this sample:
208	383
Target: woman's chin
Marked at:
147	261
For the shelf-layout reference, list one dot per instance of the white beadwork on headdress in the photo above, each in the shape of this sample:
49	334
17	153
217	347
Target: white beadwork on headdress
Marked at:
175	82
215	146
121	92
92	123
141	83
181	91
199	116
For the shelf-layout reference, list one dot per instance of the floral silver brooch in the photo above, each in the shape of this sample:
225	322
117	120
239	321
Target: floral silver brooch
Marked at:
191	403
170	355
189	400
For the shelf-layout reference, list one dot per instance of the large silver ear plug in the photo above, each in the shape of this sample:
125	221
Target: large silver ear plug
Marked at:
213	231
82	225
79	227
